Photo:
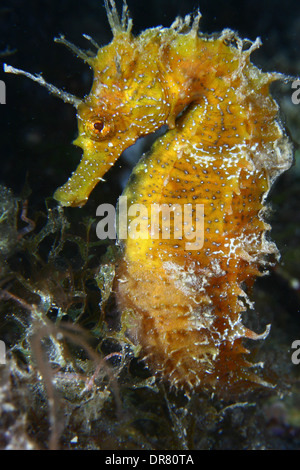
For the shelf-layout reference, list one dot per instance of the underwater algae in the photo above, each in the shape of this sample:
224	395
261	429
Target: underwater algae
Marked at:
195	341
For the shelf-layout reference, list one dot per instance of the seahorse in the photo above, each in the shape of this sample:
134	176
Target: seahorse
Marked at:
222	150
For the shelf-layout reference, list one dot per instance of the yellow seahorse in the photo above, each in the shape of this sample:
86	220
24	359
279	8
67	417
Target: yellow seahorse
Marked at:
223	148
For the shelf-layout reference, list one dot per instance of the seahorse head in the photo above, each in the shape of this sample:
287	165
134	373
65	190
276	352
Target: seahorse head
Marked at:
127	101
133	93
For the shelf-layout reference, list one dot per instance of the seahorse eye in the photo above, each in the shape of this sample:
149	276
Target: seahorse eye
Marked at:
98	126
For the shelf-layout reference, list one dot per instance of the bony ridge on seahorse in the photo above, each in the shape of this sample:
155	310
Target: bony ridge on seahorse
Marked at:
223	149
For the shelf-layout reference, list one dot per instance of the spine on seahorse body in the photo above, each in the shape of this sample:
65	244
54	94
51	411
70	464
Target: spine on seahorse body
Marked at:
223	154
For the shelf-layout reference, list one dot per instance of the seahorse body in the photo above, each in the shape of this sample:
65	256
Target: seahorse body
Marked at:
223	149
224	152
